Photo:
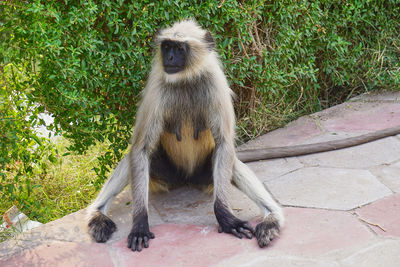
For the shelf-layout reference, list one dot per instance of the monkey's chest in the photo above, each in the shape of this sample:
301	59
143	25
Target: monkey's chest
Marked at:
188	153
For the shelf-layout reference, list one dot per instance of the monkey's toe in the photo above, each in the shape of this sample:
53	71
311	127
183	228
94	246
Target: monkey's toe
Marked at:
267	230
138	240
237	229
101	227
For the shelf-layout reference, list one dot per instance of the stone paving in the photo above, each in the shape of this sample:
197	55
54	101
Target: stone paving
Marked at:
342	207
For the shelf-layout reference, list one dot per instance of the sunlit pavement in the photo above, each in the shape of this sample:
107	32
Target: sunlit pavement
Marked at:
342	207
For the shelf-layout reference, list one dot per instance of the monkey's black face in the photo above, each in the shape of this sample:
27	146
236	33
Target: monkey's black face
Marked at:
174	55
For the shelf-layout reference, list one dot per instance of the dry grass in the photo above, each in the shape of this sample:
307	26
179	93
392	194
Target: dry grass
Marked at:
64	187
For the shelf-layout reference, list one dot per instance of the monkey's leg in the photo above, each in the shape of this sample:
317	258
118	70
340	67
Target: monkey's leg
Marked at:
140	233
222	173
245	179
101	227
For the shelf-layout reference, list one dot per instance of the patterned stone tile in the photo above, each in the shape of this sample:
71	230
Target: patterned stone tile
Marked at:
70	228
370	117
389	175
383	151
313	232
358	116
377	96
328	188
264	258
181	245
121	213
385	214
330	136
294	133
385	253
192	206
57	253
185	205
273	168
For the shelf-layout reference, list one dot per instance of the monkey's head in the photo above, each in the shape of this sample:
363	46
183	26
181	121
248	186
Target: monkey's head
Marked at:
183	49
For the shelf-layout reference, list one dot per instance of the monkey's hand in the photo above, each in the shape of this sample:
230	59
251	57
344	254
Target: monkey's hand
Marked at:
178	134
267	230
198	127
140	234
228	223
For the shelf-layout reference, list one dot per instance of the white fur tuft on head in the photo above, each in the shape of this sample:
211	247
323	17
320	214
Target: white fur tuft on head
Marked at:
183	31
200	57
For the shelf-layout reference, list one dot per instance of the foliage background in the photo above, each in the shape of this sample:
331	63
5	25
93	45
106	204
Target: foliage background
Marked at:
85	62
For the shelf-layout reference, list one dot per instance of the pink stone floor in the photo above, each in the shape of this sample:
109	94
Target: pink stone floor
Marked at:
342	207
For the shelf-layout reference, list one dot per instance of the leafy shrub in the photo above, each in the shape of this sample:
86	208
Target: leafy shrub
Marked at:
21	148
86	62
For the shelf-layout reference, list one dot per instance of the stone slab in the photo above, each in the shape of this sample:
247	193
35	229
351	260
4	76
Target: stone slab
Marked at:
270	169
121	213
328	188
294	133
311	237
185	205
378	96
389	175
314	232
384	213
385	253
242	206
191	206
330	136
181	245
361	117
70	228
382	151
57	253
260	259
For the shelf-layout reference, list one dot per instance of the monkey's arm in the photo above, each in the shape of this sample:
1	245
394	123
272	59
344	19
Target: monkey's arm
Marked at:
147	132
140	232
222	174
223	161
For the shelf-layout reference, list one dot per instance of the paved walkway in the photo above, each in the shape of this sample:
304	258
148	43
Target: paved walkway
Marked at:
342	207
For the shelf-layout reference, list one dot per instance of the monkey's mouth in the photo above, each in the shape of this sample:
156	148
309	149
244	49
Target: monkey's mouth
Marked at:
172	69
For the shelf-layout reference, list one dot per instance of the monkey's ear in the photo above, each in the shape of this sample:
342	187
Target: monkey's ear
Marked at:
158	31
156	34
209	40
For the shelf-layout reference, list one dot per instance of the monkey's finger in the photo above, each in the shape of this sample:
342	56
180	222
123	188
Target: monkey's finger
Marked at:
248	227
151	235
219	229
235	233
139	245
133	244
146	241
178	136
247	234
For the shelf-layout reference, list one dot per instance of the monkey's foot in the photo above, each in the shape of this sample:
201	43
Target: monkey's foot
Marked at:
237	228
267	230
101	227
138	236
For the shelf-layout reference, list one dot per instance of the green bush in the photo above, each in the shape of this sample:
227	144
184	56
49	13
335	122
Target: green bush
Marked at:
21	148
85	62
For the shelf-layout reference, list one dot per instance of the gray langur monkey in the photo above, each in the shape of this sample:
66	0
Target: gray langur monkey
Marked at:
184	134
